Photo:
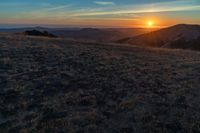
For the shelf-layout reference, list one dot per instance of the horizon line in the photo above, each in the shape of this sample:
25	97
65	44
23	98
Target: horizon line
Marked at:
13	26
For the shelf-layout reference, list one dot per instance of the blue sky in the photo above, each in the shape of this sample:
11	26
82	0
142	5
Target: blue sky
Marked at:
122	13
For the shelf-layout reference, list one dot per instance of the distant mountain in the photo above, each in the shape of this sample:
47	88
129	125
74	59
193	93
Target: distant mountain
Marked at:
178	36
101	35
93	34
38	33
18	30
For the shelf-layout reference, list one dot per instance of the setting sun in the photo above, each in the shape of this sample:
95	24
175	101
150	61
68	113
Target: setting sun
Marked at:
150	23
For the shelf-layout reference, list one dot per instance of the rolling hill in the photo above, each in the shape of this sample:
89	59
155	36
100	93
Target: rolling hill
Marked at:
85	34
178	36
60	85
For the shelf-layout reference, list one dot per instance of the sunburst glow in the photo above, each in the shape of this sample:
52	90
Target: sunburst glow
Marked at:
150	23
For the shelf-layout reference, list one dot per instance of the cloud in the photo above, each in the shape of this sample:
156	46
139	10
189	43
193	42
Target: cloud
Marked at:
58	7
143	8
106	3
57	13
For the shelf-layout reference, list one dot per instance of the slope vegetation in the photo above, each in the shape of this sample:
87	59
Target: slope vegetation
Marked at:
178	36
56	85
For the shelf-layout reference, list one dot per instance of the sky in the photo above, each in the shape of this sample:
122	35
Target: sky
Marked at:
99	13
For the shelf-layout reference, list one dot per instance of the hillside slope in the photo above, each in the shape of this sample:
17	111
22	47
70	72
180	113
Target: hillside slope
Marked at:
55	85
178	36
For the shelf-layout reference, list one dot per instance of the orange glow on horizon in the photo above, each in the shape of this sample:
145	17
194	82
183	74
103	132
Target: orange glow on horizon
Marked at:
144	22
150	24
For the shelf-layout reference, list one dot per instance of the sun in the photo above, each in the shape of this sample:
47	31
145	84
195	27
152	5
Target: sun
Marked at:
150	24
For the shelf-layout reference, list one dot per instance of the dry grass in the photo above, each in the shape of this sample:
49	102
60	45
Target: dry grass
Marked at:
55	85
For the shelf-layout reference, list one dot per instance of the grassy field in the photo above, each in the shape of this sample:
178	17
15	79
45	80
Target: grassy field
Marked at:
55	85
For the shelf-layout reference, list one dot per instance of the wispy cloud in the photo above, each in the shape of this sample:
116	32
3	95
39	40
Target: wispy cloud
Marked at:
133	12
57	7
138	9
116	12
106	3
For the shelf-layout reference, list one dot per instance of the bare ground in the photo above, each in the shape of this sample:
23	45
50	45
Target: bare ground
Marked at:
55	85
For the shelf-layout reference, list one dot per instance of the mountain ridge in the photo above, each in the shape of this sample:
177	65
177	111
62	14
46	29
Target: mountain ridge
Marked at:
93	34
166	37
